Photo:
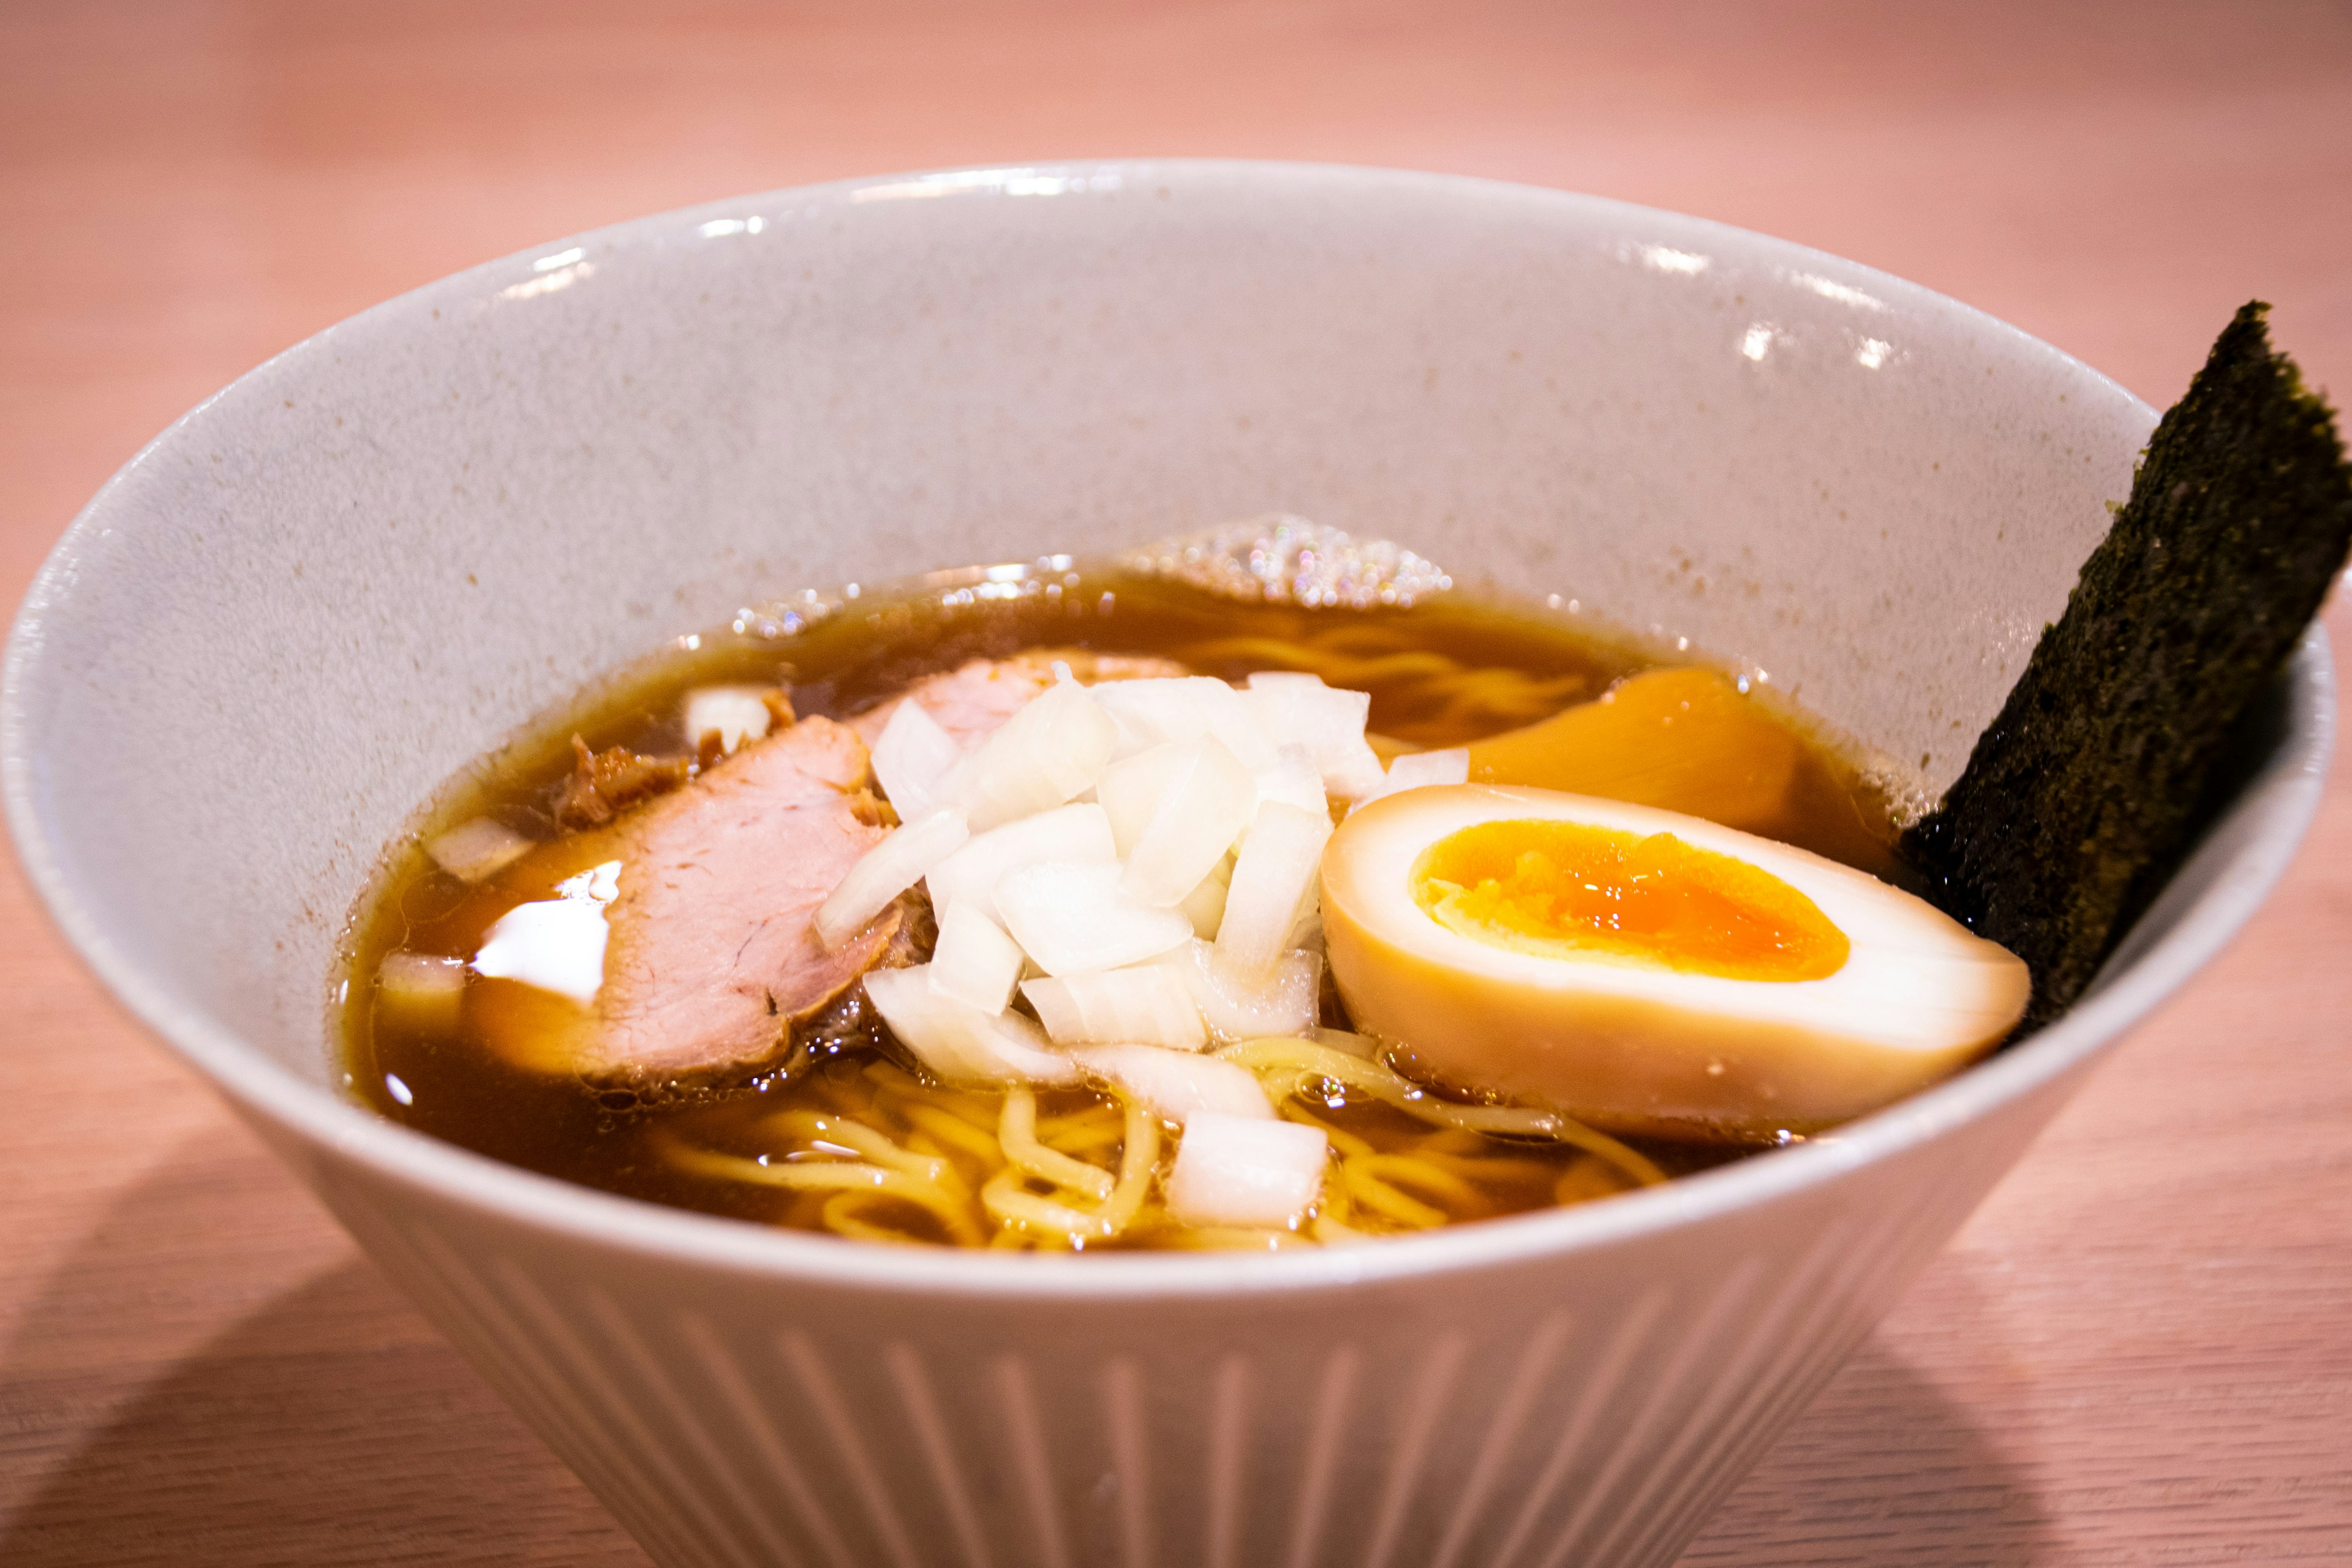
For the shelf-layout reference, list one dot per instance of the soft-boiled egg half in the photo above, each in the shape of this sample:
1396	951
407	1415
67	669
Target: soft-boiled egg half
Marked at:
1647	971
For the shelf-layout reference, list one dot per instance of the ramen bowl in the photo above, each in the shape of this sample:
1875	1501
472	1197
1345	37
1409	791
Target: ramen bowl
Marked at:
329	588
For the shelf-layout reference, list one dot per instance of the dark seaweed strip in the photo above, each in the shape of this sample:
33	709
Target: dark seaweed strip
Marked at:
2080	800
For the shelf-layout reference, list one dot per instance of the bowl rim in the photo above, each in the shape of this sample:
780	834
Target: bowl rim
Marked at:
264	1091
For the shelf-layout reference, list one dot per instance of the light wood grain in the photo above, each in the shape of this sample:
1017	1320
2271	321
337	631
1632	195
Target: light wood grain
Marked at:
2139	1352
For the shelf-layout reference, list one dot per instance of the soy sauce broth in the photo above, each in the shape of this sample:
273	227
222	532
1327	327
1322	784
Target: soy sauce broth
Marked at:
840	657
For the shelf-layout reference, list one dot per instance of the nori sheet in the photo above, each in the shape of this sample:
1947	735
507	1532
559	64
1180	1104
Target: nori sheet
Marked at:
2081	799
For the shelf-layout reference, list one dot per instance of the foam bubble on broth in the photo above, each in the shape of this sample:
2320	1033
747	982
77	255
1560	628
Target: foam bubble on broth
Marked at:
1281	559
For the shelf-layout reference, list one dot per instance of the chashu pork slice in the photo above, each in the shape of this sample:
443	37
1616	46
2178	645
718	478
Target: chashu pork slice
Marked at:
711	957
972	699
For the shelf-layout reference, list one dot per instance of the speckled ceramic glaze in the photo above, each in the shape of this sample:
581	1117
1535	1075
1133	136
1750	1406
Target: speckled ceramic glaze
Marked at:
322	593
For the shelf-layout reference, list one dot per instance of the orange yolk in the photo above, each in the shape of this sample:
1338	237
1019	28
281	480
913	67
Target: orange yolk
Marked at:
1566	888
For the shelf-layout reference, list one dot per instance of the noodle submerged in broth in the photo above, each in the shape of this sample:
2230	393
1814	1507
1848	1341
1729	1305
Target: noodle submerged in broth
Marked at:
470	1018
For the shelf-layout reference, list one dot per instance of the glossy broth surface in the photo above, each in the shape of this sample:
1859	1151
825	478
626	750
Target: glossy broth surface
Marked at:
1444	672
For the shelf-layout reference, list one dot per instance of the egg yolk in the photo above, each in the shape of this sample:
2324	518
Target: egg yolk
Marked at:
1568	889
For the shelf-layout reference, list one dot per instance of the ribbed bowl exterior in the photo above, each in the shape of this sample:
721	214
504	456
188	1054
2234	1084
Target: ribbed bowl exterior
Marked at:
1559	1414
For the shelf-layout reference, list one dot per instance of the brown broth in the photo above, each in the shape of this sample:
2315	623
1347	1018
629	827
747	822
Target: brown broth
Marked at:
837	661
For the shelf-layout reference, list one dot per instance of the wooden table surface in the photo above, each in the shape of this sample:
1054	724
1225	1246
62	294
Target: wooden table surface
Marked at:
2140	1351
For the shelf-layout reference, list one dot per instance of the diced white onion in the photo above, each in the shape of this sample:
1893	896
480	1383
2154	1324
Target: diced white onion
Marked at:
734	713
1131	788
1148	1006
1244	1171
1354	775
912	758
1179	1085
1204	905
1294	780
1049	752
1274	878
557	945
900	860
424	987
1345	1040
478	850
1296	709
957	1041
1284	1000
1071	833
1180	709
1208	800
975	961
1420	770
1073	918
1018	1048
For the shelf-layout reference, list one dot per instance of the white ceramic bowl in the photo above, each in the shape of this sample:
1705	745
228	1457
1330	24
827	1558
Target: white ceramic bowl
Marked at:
315	598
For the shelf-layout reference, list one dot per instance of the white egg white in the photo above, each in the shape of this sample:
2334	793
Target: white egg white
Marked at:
1638	1048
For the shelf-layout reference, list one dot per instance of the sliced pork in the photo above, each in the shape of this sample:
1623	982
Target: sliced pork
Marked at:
974	698
711	959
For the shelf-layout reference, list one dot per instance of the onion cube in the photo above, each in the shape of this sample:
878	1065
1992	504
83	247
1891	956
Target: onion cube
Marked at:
912	757
1204	905
1148	1005
1049	752
1070	833
1274	878
1130	789
1179	1085
1244	1171
1208	800
1354	775
1294	780
901	859
734	713
975	961
424	988
1185	707
1294	709
478	850
1073	918
959	1042
1286	999
1420	770
1347	1040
